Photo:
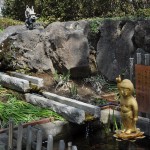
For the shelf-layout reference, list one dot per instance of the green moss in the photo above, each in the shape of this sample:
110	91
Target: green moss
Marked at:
89	117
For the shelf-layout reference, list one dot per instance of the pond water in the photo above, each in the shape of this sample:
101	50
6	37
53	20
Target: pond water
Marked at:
99	140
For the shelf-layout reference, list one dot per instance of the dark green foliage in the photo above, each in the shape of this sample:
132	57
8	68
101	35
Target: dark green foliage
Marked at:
16	8
53	10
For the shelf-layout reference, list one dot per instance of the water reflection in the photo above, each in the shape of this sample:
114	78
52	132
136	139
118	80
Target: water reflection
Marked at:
100	141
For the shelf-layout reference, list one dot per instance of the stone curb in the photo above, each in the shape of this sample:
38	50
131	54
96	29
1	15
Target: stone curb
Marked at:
72	114
34	80
94	110
14	83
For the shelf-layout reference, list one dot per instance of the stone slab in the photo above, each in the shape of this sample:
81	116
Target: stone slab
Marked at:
14	83
94	110
71	114
34	80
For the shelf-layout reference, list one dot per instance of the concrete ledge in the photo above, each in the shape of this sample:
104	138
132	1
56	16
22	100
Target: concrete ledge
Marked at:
94	110
142	123
14	83
72	114
34	80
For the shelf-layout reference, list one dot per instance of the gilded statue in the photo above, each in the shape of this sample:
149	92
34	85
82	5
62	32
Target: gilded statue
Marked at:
128	111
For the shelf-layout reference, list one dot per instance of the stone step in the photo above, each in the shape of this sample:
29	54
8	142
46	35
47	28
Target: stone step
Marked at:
70	113
94	110
14	83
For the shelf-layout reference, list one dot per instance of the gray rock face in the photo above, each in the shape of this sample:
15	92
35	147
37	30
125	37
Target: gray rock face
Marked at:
114	47
11	30
67	45
142	35
62	46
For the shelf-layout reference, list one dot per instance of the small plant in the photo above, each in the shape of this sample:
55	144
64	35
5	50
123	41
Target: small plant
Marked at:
62	80
100	101
94	26
1	30
114	120
56	76
73	91
112	125
99	83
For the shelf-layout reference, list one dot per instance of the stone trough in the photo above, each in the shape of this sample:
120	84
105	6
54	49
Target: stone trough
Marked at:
72	110
14	83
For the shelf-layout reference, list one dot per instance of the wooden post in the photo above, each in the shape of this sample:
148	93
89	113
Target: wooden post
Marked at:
19	137
39	140
10	135
61	145
29	138
50	143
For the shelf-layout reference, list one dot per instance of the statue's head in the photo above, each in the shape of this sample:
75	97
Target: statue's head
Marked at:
125	86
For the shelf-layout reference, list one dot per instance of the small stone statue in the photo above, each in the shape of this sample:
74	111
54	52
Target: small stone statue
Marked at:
129	111
30	17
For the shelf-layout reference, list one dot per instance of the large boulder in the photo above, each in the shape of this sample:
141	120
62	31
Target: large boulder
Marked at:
120	40
142	35
23	50
66	44
61	46
11	30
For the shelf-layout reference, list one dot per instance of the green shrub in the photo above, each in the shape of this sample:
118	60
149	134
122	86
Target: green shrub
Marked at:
143	12
52	10
5	22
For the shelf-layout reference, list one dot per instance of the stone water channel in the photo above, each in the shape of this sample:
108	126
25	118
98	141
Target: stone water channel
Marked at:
73	111
85	134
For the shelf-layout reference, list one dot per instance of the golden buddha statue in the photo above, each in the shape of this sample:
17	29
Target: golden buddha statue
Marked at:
128	111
